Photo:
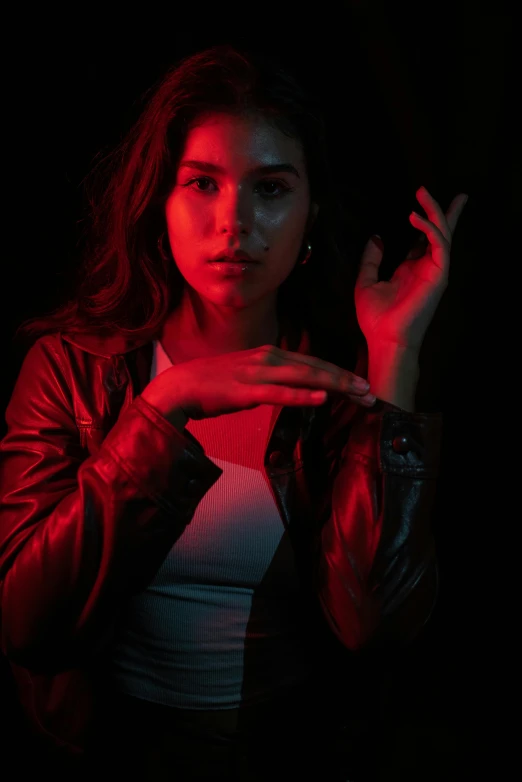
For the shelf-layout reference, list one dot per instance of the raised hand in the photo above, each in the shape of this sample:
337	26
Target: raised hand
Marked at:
399	311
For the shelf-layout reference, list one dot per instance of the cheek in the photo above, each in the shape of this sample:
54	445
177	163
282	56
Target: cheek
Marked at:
285	226
184	218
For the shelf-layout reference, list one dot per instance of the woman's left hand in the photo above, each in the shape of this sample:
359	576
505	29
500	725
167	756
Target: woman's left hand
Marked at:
398	312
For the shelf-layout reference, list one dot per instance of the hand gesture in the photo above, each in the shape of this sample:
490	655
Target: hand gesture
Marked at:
267	375
399	311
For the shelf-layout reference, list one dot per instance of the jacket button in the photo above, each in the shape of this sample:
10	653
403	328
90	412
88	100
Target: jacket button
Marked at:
401	444
193	486
275	459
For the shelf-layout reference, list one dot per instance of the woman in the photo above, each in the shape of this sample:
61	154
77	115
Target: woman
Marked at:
206	510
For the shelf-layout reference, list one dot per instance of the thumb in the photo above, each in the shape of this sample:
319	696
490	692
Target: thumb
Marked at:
370	262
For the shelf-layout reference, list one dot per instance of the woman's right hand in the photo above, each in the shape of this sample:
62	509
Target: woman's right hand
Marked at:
267	375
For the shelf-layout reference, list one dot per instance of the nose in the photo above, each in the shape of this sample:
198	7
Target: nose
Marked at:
234	213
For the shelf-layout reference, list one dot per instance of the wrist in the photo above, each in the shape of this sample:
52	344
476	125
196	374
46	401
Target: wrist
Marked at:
393	374
174	415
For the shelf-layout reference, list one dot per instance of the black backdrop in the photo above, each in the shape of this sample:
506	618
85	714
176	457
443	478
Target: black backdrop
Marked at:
413	96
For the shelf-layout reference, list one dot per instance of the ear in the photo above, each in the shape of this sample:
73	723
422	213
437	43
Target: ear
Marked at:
312	214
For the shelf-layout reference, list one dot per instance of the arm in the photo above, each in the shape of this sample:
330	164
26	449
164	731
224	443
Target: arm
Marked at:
80	535
377	572
377	566
393	374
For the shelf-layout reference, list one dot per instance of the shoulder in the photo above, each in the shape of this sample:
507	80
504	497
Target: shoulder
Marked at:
43	382
45	351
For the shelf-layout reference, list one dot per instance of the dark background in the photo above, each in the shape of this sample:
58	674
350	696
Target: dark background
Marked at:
414	95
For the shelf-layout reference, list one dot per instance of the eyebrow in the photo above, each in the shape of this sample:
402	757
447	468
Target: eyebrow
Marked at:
211	168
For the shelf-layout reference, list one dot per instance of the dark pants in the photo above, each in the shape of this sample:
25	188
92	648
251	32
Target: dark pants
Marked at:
292	738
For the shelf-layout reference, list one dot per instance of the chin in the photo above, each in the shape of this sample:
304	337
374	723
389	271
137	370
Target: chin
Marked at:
229	298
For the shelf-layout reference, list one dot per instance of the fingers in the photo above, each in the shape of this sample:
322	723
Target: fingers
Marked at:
434	212
310	372
446	223
274	394
438	227
318	364
434	234
455	210
368	400
440	246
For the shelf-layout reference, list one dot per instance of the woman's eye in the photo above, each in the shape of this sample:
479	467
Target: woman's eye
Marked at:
203	179
274	183
269	187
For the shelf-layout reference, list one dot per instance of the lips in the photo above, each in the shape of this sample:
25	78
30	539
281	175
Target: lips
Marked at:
239	256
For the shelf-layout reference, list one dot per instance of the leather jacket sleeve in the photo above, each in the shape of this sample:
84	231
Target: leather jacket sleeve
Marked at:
79	535
377	577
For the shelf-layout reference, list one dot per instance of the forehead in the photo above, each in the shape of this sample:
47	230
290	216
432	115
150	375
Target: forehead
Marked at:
240	140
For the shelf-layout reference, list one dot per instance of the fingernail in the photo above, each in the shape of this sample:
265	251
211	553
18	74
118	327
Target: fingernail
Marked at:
360	384
376	239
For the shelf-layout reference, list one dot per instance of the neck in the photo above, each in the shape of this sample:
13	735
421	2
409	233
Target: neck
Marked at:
200	329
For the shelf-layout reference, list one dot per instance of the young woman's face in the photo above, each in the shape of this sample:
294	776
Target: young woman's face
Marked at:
224	201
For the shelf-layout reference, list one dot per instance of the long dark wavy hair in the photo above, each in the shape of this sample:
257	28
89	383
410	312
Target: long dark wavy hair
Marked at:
125	284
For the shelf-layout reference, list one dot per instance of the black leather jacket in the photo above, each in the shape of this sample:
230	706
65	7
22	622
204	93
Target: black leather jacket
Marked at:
95	487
